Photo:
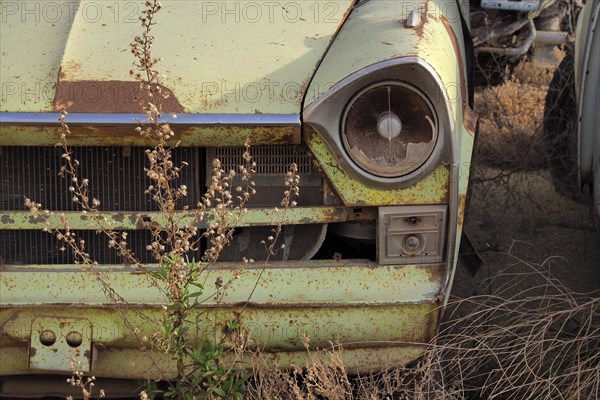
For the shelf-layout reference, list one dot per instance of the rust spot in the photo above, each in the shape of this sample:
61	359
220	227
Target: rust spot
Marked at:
6	219
436	274
34	219
69	67
207	102
110	97
120	217
469	116
304	85
343	20
461	208
136	221
32	352
424	10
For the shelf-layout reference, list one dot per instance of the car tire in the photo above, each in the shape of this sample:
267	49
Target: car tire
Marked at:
560	129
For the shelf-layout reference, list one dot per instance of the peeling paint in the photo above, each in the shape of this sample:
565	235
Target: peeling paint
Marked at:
432	189
129	220
6	220
111	97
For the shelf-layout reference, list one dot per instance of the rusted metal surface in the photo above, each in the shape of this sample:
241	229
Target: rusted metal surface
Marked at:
280	329
101	96
133	220
335	303
201	136
325	283
59	344
131	363
469	116
364	331
432	189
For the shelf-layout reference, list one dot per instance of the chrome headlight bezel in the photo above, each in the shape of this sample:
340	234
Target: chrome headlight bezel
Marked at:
326	114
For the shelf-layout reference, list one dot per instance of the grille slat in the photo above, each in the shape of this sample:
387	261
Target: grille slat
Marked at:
116	178
37	247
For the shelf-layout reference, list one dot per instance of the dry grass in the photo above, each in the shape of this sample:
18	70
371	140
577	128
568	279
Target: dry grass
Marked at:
542	342
538	343
511	116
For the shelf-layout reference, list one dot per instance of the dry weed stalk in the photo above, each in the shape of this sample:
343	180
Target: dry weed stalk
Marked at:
80	381
198	364
324	376
540	343
199	369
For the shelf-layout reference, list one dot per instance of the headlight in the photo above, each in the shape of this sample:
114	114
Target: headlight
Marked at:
389	129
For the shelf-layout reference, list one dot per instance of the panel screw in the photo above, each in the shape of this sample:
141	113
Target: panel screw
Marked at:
412	244
413	20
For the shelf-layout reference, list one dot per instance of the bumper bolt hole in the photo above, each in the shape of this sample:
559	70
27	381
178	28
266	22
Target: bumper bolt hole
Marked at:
47	338
74	339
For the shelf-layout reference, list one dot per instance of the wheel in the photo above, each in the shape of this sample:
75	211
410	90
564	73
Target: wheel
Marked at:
560	130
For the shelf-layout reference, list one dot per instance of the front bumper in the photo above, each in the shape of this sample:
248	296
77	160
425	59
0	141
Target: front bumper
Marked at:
381	315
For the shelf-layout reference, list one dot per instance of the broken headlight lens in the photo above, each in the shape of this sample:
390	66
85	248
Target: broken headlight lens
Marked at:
389	129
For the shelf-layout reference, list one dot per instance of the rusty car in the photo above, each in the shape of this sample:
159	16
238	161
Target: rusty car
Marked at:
371	99
571	123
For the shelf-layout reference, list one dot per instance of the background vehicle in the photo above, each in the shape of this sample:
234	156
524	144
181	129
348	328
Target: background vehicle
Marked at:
572	127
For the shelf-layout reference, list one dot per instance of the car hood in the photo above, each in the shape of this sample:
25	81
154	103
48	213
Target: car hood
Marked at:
217	57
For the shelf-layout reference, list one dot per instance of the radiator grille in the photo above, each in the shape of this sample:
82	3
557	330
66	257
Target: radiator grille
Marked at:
118	180
270	160
272	163
37	247
116	176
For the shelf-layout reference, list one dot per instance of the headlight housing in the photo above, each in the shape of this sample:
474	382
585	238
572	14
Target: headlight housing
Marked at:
388	124
389	129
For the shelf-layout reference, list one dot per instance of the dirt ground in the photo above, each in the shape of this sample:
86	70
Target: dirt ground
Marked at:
525	222
515	217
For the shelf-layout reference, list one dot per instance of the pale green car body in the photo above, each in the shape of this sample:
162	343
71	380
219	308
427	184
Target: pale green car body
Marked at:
231	75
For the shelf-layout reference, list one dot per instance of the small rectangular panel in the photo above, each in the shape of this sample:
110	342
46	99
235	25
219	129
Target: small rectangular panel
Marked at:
411	234
60	344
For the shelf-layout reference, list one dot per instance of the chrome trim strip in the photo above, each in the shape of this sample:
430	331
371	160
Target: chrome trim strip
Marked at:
47	118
